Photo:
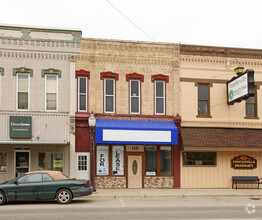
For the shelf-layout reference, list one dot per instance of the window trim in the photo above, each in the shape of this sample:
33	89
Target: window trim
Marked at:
164	97
78	93
255	116
158	160
199	165
56	93
6	153
28	98
114	95
139	96
208	115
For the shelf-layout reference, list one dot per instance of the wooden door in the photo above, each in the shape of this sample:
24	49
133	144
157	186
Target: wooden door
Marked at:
135	172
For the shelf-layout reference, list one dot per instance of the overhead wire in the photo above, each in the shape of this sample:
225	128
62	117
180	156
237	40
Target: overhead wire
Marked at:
130	20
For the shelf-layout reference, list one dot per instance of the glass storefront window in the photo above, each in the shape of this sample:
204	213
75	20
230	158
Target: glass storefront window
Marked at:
165	160
118	160
200	158
50	161
3	158
102	160
151	160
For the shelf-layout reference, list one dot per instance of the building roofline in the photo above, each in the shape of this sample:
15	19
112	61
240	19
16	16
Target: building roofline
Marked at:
15	26
129	41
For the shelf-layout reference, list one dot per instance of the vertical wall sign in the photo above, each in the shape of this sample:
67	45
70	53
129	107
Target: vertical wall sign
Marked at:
102	160
20	126
118	160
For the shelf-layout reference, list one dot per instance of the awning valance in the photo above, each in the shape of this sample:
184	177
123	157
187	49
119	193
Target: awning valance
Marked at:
221	137
135	132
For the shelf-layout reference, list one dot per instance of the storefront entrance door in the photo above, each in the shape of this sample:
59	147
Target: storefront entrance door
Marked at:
22	162
135	172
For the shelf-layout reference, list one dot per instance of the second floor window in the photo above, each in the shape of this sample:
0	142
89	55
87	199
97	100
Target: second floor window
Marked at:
51	92
82	93
251	106
109	95
159	97
23	85
134	96
203	100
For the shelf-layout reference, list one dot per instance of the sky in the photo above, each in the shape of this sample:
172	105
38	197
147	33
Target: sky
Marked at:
226	23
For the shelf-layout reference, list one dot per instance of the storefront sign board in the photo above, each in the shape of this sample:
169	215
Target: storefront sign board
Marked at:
20	126
244	162
135	148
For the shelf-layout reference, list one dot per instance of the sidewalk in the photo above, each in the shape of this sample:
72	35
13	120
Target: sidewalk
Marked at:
175	193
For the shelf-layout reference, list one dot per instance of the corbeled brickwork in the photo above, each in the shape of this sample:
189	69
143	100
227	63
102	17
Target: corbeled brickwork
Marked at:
110	182
159	182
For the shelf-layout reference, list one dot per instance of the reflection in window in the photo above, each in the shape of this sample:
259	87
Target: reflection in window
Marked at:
3	158
82	93
51	92
109	93
199	158
82	162
151	160
165	160
50	161
203	102
31	178
23	91
159	97
251	106
134	96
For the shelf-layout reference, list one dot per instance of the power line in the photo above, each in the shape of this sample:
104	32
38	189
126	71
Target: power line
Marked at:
130	20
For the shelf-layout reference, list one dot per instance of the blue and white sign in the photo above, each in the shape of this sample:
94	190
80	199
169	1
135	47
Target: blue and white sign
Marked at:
135	132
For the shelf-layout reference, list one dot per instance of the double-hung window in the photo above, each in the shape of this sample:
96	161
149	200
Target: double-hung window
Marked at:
251	106
82	94
51	92
203	100
109	95
23	85
160	97
135	96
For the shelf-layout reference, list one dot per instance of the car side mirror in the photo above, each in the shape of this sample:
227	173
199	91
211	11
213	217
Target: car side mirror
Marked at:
16	182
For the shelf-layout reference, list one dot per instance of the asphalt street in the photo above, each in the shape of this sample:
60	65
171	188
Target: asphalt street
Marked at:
141	208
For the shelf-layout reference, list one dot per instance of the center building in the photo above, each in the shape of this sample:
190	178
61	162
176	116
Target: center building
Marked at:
132	88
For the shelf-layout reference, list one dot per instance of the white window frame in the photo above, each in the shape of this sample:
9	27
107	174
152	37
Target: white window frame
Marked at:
137	96
56	93
164	97
28	99
79	94
114	95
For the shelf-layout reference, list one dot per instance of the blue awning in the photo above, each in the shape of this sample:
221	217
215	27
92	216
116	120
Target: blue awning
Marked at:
135	132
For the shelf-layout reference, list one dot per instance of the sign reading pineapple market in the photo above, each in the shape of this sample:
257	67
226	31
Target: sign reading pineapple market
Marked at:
244	162
20	126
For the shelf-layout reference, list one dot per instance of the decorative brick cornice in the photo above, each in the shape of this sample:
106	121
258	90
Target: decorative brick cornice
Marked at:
134	76
160	77
83	73
109	75
229	52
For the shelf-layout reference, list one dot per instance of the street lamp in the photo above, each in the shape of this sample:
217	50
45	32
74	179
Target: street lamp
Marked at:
239	70
92	124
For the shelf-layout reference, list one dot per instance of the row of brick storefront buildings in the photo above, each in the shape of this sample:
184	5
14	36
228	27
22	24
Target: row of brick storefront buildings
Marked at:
162	117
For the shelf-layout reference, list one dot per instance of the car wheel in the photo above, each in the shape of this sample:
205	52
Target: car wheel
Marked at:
2	198
64	196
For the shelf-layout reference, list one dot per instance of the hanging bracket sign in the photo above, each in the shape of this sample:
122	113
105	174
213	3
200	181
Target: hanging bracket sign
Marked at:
244	162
